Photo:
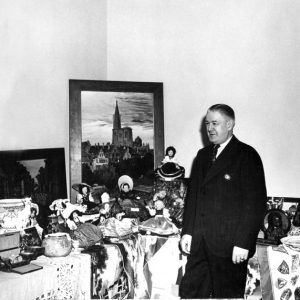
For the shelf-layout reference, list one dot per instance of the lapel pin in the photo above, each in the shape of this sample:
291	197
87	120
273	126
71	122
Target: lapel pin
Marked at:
227	176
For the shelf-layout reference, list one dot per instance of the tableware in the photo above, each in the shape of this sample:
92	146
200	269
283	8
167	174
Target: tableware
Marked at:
57	244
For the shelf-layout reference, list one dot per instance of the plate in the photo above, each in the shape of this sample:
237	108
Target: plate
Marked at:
292	242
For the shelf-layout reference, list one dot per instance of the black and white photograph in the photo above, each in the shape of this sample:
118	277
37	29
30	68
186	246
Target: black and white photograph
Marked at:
149	149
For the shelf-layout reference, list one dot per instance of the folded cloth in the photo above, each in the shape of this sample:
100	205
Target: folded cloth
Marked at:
113	228
160	225
87	234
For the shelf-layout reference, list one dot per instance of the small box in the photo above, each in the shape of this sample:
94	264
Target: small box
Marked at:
9	244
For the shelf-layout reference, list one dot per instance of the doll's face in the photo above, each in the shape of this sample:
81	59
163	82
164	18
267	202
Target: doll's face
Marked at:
105	198
159	205
125	188
32	213
75	217
276	221
84	190
170	153
162	194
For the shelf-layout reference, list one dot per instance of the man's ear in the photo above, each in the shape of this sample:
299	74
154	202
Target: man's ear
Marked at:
230	124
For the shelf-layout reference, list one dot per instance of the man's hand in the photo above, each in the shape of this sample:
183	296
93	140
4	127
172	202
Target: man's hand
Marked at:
239	255
185	243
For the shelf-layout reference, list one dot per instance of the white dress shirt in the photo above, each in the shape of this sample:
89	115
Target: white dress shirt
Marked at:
222	147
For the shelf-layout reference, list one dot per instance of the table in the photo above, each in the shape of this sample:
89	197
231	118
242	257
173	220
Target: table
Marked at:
60	278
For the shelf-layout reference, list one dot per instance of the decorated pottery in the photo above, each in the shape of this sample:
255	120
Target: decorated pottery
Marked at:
14	213
57	244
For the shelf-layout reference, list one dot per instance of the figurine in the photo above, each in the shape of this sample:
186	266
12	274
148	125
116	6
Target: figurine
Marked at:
109	209
125	184
275	230
74	220
131	205
170	156
34	211
170	169
32	219
84	196
160	223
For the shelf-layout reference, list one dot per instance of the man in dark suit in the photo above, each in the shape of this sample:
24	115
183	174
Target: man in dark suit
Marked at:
224	210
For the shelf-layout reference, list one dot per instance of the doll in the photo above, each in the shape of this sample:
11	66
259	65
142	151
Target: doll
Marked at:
170	155
170	168
84	197
32	219
74	220
109	209
275	229
132	206
160	223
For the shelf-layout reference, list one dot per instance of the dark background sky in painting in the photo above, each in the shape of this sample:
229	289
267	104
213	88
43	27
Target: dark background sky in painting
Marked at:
97	109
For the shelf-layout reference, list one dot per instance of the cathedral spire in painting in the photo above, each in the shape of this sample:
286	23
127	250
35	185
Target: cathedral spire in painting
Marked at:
120	136
117	118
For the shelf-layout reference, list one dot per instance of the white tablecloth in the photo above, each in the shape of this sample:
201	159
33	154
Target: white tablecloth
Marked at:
61	278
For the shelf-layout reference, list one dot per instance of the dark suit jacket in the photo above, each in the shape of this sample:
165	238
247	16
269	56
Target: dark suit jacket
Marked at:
226	203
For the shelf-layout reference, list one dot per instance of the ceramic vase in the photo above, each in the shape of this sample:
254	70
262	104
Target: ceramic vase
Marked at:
57	244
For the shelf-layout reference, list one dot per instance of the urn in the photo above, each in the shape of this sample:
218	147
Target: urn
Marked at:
57	244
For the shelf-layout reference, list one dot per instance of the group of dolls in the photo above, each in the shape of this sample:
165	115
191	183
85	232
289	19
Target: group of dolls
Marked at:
105	212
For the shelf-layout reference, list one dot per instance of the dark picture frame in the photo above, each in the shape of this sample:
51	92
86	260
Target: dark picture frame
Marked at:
23	172
36	173
76	87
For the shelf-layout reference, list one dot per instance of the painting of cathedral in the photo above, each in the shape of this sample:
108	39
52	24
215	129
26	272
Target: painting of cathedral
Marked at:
117	137
122	136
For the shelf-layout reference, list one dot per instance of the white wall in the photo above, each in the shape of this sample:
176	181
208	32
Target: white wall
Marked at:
243	53
43	45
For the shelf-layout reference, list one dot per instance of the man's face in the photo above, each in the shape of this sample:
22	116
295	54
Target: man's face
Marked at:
218	126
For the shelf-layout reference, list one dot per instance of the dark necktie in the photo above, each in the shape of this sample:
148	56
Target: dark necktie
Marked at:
214	153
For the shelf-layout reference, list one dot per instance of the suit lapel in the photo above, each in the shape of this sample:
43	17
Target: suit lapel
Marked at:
223	160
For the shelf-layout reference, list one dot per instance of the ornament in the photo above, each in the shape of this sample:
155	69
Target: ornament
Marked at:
284	268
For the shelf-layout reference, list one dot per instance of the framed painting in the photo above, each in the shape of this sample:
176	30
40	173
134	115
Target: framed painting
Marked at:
116	128
36	173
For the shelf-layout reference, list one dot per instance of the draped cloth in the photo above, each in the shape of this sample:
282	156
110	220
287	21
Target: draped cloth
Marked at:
284	265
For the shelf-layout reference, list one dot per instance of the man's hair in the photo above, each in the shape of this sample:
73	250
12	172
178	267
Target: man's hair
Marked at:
224	109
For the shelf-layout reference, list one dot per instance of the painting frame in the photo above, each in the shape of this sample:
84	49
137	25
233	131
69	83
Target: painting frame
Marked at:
39	174
77	86
54	183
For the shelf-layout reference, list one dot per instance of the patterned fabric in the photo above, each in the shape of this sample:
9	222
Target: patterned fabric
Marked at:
133	258
121	274
284	272
70	284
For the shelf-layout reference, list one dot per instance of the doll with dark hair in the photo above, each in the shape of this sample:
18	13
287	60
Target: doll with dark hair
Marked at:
170	155
84	197
74	219
275	229
86	233
170	168
132	206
